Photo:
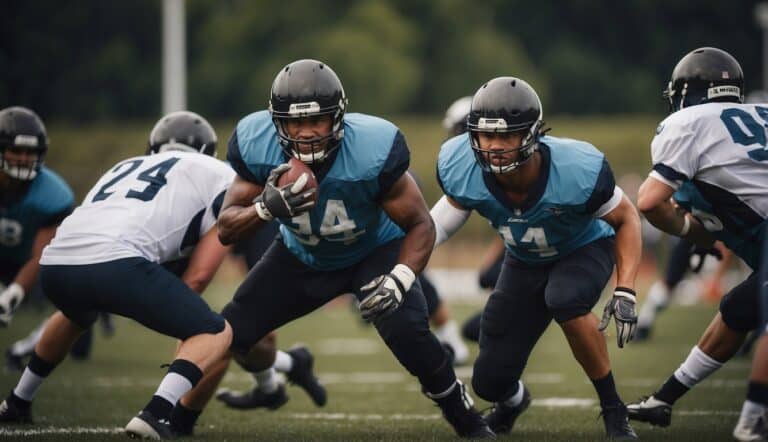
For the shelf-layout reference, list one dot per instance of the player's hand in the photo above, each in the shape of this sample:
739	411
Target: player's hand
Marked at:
700	254
622	308
283	202
385	293
10	298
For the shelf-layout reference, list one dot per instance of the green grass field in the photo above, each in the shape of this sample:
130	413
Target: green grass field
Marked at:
370	396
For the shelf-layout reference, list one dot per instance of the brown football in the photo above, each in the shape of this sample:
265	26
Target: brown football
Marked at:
291	175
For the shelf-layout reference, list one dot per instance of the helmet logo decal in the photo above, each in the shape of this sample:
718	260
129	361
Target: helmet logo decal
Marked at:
726	76
303	109
492	123
25	140
723	91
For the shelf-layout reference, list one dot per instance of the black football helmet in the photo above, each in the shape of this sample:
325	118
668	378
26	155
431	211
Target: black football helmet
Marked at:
505	104
455	120
705	75
185	131
308	88
21	130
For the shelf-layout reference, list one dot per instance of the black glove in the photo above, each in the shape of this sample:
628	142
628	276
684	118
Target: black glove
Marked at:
622	308
700	254
286	201
385	293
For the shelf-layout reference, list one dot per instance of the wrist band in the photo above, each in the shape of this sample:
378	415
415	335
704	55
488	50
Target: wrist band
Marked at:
686	226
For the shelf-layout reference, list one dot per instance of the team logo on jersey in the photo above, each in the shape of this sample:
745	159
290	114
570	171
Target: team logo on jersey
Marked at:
10	232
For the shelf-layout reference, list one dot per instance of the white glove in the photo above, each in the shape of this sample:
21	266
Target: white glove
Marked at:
622	308
10	298
384	294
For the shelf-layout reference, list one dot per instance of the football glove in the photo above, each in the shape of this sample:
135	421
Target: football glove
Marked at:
384	294
701	254
622	308
283	202
10	298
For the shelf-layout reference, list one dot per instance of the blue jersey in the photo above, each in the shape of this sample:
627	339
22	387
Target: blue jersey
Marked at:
745	241
559	213
45	202
347	222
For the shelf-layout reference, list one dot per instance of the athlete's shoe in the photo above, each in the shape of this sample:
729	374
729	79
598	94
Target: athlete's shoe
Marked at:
617	424
302	375
147	426
12	413
254	398
751	428
458	410
14	362
650	410
502	417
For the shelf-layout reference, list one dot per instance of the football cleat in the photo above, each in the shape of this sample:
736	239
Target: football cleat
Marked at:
14	362
650	410
301	374
751	428
254	398
458	410
12	413
147	426
502	417
617	424
642	334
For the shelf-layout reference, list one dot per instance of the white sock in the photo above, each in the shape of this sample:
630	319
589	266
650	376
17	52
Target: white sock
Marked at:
266	380
658	298
449	333
517	398
26	346
283	362
751	409
28	385
696	367
173	387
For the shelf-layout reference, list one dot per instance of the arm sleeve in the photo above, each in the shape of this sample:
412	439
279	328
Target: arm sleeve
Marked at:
235	159
396	164
603	193
448	219
673	154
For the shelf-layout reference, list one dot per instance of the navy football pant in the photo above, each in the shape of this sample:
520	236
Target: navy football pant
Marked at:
526	299
280	288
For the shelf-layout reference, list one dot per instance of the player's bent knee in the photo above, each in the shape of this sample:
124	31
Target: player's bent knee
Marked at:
738	314
489	381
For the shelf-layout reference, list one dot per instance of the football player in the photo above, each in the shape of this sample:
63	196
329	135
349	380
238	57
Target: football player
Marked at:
368	233
107	255
710	151
565	223
33	201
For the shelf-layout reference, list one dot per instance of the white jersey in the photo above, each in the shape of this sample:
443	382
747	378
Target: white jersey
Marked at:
156	207
721	148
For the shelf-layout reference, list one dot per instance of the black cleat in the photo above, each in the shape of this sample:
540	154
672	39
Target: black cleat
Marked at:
14	362
642	334
502	418
616	423
302	375
650	410
466	421
147	426
13	413
254	399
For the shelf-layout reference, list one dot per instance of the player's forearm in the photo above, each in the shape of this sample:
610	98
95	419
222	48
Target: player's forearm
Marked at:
417	245
628	252
237	222
667	218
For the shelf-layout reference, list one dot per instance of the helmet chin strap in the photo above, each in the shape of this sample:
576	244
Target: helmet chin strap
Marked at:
20	173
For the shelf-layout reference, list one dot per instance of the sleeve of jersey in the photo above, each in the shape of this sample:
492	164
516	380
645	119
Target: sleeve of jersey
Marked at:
673	155
64	206
235	159
606	195
396	164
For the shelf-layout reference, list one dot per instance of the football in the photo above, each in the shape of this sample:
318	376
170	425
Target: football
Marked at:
297	169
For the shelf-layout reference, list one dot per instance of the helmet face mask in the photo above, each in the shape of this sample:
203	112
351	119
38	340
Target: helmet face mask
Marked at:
505	105
308	89
182	131
23	143
705	75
